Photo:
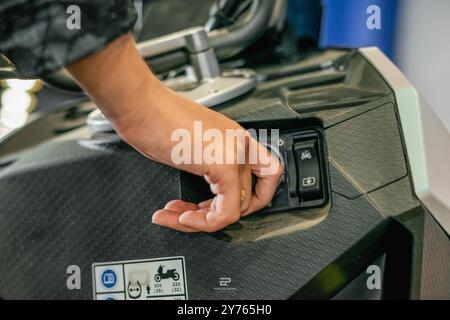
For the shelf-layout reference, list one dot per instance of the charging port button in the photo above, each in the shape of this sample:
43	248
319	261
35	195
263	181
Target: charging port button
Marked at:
308	169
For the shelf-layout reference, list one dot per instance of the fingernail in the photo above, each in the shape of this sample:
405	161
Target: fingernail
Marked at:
182	218
154	217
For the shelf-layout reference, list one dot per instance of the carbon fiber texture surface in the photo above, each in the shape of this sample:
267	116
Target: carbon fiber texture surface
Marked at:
77	202
436	261
86	214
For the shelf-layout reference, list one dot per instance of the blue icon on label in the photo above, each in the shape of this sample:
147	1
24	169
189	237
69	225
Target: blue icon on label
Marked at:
109	279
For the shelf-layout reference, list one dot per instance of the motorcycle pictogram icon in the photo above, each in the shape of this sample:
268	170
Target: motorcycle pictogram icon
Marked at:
170	273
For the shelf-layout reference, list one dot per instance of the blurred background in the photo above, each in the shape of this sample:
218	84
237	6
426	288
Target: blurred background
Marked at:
413	33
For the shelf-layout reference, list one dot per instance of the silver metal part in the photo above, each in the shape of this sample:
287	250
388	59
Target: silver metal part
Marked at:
205	65
279	14
210	92
196	42
221	89
426	138
210	87
193	40
98	122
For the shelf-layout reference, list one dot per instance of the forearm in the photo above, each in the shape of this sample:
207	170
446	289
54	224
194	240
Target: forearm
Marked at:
118	80
122	86
146	113
142	110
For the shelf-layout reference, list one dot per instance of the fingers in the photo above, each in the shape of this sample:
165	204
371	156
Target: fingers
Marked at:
180	206
266	183
264	190
227	204
206	204
246	188
170	219
246	177
170	216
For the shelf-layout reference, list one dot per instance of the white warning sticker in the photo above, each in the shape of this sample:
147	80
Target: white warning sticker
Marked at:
152	279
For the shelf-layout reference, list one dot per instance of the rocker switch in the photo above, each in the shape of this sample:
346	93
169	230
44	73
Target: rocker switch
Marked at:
308	169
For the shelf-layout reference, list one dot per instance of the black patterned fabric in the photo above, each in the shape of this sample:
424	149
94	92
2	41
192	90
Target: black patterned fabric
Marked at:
34	34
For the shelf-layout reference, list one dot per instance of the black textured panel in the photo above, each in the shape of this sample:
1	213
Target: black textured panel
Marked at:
95	204
367	149
77	202
342	185
436	262
404	198
357	289
260	111
326	97
54	215
333	116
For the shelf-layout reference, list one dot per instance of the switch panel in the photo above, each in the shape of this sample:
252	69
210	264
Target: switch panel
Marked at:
304	183
308	169
305	180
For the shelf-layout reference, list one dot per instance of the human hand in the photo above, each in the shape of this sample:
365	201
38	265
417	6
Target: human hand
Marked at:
146	114
232	187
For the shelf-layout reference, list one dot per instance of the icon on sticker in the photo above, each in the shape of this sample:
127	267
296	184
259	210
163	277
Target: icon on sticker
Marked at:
134	290
306	155
109	279
309	182
171	273
135	279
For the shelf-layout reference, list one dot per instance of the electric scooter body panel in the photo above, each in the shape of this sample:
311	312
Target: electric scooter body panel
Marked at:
81	198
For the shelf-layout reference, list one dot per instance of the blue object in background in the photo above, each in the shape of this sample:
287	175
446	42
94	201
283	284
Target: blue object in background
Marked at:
344	25
304	16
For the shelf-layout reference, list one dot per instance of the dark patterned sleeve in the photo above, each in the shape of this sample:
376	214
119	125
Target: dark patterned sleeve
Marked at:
35	36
